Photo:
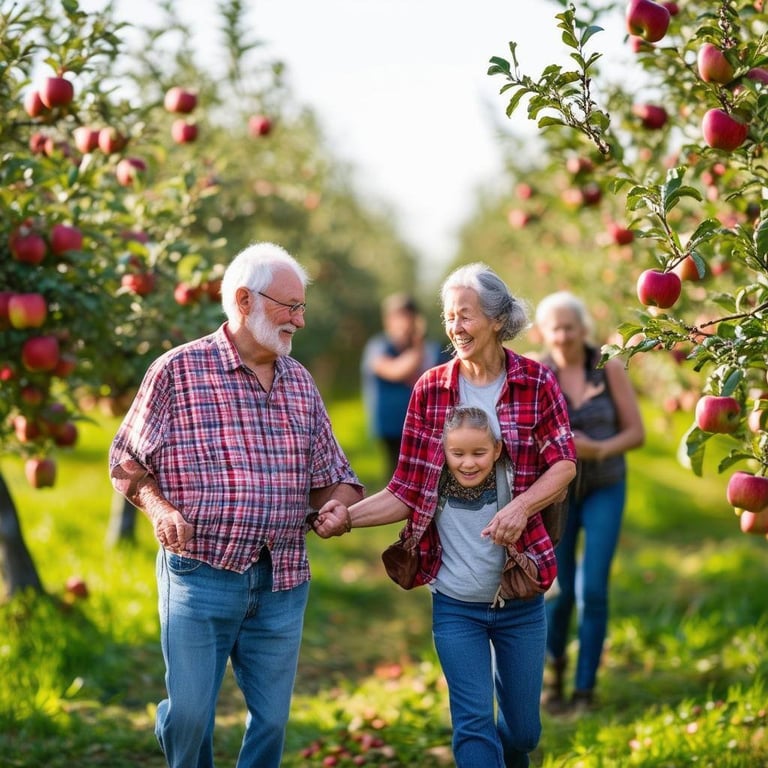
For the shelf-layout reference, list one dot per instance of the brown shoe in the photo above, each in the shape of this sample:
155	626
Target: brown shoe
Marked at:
552	695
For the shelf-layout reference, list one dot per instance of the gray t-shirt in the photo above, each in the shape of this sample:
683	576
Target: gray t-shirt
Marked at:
472	564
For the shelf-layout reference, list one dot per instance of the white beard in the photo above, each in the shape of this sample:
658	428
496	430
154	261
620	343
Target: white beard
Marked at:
268	335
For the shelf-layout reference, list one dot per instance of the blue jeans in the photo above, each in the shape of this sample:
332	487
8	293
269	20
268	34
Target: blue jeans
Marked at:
208	616
584	581
492	654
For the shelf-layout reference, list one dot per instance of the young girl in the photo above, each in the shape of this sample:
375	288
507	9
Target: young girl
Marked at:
474	488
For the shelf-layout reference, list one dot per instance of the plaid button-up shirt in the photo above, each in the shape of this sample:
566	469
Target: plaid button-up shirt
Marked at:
536	434
236	461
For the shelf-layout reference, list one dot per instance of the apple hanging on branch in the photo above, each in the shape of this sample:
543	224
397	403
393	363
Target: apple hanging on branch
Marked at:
717	414
647	19
747	491
56	92
713	66
656	288
723	131
40	472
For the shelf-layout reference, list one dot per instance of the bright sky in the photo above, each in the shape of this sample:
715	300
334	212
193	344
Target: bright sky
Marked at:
401	91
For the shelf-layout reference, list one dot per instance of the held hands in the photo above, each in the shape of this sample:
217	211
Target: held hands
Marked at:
173	532
507	525
333	519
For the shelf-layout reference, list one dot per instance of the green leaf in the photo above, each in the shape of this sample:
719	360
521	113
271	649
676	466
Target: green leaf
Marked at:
730	385
695	442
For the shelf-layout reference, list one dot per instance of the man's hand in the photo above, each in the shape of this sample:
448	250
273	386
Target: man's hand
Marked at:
173	532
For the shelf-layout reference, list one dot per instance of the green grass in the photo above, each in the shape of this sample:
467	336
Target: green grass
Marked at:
683	679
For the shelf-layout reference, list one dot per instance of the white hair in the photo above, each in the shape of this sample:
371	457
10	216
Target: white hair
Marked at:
563	300
254	268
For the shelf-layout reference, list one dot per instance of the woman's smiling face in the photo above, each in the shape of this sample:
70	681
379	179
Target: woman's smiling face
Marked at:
467	327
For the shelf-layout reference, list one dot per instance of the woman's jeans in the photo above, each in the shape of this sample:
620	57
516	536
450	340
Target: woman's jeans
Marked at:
492	653
208	616
584	581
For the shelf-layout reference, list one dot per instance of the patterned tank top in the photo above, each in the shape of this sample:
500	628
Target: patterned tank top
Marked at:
596	418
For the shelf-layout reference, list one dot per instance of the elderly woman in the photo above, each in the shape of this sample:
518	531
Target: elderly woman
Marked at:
606	420
489	650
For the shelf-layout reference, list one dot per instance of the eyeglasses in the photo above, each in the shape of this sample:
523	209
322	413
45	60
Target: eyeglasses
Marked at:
292	308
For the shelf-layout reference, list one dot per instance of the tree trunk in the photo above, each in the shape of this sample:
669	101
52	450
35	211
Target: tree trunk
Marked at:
18	568
122	521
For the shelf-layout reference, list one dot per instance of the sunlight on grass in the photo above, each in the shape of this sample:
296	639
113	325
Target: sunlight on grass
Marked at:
682	680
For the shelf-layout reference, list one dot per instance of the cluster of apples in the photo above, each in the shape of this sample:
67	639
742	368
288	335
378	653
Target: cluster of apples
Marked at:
57	93
180	101
746	492
648	22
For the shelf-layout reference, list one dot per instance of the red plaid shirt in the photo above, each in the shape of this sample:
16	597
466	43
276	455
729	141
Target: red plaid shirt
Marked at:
536	433
236	461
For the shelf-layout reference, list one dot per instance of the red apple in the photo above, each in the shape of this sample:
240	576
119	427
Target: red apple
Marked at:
620	235
76	586
40	473
56	92
66	365
651	116
747	491
714	67
130	170
186	294
33	104
672	7
524	191
213	289
86	139
37	143
591	193
5	300
140	283
33	395
757	421
27	310
183	131
518	218
66	434
25	429
65	238
717	414
759	75
259	125
656	288
180	100
576	165
754	522
27	246
647	19
111	140
40	353
723	131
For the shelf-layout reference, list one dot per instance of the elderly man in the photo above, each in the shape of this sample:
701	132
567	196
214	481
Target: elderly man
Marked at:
226	448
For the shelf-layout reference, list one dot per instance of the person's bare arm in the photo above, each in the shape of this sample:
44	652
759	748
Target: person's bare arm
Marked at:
136	483
381	508
631	432
510	521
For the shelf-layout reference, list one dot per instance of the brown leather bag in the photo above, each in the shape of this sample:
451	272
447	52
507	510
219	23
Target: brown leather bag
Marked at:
401	562
520	577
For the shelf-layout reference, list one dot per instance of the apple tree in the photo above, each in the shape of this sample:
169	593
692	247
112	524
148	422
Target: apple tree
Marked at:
684	154
90	226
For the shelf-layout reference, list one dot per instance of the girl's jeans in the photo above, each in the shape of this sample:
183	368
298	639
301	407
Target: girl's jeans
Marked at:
492	653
